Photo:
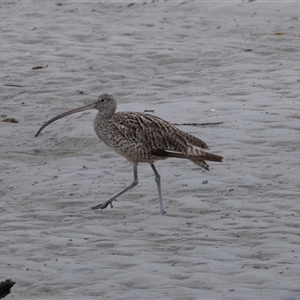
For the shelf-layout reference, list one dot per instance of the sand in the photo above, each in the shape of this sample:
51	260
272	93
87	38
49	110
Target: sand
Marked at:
232	233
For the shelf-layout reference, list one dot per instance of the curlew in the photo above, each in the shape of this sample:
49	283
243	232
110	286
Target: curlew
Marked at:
141	138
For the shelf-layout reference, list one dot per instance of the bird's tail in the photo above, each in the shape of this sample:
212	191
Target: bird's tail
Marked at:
196	155
200	154
193	154
201	163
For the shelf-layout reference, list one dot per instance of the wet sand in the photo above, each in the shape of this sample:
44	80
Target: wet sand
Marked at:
231	233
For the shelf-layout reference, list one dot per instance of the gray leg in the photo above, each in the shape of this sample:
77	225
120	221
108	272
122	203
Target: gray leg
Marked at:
157	180
110	200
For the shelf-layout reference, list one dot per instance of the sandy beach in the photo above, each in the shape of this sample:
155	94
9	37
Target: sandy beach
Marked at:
232	233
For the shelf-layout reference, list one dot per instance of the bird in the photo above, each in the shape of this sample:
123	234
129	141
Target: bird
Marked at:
141	138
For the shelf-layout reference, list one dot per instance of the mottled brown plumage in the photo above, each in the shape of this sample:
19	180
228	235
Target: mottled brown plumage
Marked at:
140	138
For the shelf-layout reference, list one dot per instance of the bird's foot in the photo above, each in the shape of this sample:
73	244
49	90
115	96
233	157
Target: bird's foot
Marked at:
102	205
162	212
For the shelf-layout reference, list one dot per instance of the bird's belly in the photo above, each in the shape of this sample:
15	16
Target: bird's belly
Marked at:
128	148
131	151
136	154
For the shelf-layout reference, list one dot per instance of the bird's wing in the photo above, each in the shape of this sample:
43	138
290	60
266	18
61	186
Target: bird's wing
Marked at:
154	133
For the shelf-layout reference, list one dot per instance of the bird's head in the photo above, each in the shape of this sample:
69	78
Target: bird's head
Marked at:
105	104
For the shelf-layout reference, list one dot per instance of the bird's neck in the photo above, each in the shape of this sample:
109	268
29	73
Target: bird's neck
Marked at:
104	115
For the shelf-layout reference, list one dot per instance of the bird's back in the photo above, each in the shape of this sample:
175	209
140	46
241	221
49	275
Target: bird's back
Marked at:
141	137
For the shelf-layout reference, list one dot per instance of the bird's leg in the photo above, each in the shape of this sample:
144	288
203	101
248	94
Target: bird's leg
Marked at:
157	180
110	200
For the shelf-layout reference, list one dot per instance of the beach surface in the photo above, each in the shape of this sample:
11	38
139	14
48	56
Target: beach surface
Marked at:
232	233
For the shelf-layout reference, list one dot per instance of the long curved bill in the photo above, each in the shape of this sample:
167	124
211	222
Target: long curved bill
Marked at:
70	112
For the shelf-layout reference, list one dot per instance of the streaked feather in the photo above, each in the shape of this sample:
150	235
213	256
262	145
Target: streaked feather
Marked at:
141	137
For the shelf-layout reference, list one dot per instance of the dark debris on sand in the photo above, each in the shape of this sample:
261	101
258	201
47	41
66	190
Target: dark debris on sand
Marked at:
5	287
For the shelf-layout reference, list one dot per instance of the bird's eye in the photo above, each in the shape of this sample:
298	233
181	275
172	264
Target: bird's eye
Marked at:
102	100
